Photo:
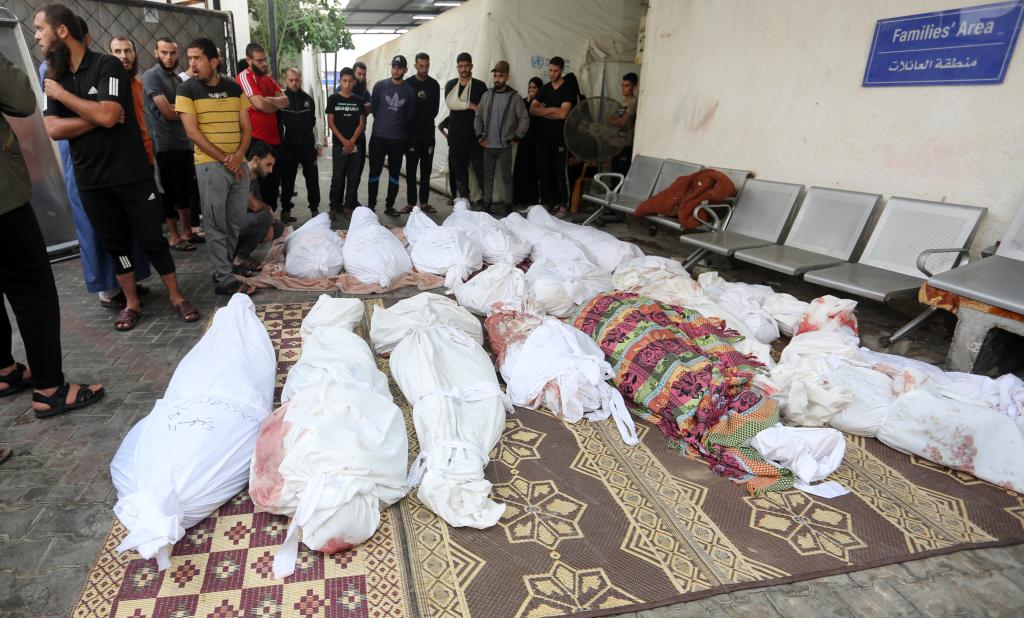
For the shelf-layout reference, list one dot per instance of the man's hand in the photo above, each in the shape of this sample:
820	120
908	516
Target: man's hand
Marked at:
120	117
473	106
319	150
483	142
54	90
348	147
233	163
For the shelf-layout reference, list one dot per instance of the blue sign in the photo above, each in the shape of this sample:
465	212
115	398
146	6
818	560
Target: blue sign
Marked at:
959	46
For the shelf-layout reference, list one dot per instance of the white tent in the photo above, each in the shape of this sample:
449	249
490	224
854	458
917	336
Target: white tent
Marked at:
597	39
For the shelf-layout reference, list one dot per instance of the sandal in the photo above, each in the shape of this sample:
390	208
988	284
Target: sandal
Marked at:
186	311
406	211
391	212
236	287
58	401
428	208
127	319
195	239
15	381
5	454
183	245
238	269
250	263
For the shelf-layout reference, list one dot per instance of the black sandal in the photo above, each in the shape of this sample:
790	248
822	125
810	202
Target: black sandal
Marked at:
58	401
391	212
15	381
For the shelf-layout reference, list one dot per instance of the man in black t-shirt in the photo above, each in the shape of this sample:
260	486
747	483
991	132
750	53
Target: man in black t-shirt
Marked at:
462	95
551	107
89	102
346	118
421	134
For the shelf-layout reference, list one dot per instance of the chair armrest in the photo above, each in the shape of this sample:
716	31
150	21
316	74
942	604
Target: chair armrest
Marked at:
599	179
963	257
717	221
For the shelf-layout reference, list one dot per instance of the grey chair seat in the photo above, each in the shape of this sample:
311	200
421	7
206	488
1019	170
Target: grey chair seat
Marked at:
996	280
867	281
788	260
625	203
723	242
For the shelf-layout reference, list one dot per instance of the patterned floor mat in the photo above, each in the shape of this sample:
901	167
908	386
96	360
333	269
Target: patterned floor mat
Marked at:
592	527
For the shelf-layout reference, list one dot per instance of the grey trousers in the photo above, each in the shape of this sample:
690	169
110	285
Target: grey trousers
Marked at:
255	230
500	158
224	199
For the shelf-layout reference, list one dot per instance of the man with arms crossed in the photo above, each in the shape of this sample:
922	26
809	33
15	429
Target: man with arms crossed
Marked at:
266	98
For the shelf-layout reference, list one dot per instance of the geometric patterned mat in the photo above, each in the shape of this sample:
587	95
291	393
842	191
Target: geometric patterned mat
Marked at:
592	527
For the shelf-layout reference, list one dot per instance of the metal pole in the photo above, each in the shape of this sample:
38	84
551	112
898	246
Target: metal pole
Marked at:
272	27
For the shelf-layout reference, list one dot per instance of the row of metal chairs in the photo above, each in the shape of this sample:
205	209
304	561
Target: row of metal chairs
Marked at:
846	240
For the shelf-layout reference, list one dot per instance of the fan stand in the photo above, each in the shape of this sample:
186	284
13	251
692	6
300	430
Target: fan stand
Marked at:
577	191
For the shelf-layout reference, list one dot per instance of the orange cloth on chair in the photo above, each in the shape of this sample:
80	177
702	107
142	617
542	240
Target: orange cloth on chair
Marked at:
683	196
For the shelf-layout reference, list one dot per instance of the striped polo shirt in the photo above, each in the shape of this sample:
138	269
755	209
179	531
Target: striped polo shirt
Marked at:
217	110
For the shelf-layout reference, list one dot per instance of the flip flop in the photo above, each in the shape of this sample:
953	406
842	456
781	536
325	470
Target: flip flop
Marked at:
127	318
58	401
183	245
15	381
186	311
428	208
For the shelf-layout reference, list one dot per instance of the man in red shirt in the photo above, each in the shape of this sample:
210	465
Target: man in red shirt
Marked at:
266	98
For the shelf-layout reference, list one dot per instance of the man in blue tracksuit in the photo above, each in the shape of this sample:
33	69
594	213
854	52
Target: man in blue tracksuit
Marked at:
393	103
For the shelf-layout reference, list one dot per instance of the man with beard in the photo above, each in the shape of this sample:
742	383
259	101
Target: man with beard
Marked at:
462	95
173	149
266	98
393	102
97	269
501	121
421	134
215	113
299	144
361	91
89	102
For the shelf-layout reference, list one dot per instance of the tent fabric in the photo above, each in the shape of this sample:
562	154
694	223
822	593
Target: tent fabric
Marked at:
597	39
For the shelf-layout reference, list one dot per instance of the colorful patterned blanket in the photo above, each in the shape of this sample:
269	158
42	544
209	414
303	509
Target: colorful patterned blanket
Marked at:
683	374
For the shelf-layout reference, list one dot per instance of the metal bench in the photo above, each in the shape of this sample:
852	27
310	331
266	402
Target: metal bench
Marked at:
907	230
997	281
826	232
738	177
758	219
625	192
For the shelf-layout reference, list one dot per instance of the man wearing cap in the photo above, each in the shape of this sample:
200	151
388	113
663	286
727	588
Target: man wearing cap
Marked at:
462	95
393	103
500	123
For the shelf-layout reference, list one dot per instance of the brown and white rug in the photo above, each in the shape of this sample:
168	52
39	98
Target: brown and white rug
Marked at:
592	527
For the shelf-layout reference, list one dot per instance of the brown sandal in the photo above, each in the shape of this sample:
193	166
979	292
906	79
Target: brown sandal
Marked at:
183	245
127	319
428	208
186	311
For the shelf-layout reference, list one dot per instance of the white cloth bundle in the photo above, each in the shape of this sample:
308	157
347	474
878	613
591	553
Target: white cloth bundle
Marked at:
372	253
829	313
192	452
812	454
497	245
547	243
333	456
331	352
744	301
602	248
559	368
497	283
314	251
787	310
458	407
442	250
560	287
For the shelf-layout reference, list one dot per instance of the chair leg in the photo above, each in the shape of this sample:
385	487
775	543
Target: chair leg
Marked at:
594	215
695	257
909	327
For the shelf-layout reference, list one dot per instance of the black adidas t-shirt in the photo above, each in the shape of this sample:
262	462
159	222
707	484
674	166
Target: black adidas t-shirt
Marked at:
104	157
346	112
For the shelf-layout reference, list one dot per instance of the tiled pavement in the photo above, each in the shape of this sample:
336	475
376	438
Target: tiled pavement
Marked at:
56	495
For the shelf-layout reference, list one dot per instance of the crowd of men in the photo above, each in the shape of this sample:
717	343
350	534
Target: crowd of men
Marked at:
211	159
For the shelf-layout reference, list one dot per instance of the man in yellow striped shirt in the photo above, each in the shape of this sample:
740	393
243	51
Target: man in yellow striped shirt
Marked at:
214	112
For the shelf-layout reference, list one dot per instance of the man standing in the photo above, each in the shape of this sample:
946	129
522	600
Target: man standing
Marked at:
25	276
89	102
215	113
421	134
266	98
551	107
625	118
346	117
260	226
299	144
173	149
462	95
124	50
501	121
392	104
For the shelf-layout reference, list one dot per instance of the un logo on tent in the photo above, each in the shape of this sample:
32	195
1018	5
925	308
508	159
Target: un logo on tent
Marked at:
537	61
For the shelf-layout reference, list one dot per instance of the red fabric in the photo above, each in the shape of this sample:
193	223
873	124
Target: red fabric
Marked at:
683	196
264	125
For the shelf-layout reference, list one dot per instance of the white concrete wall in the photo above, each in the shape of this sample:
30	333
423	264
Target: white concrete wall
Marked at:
775	87
240	12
